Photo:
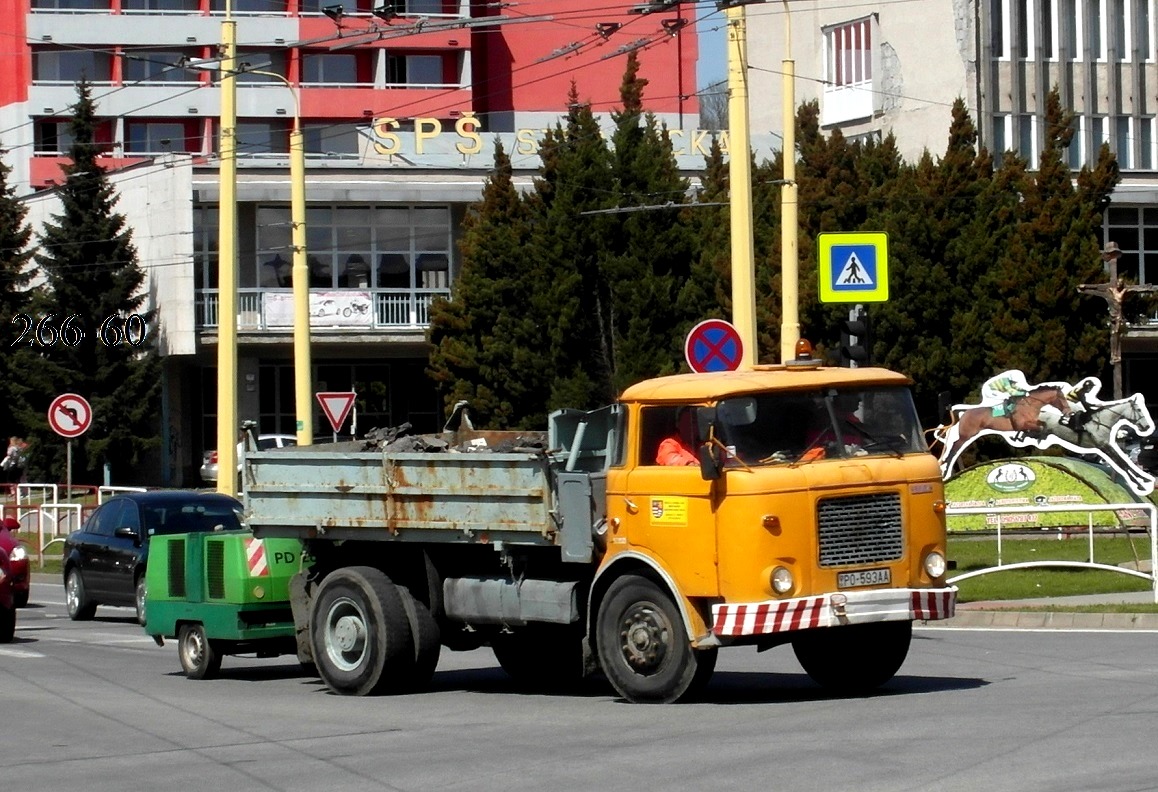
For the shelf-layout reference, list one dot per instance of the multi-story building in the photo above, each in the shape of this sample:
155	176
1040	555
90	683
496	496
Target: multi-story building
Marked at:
877	67
399	104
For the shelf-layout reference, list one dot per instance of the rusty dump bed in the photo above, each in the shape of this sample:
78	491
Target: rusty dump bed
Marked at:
529	488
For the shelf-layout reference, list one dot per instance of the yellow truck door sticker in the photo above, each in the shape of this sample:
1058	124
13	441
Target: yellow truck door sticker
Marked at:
669	511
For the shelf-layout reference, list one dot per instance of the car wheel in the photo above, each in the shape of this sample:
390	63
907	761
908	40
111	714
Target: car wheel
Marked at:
7	624
79	607
140	599
199	658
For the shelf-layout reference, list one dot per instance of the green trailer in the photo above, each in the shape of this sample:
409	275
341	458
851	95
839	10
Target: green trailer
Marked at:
221	593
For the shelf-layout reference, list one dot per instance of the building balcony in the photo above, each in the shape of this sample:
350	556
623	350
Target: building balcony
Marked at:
341	310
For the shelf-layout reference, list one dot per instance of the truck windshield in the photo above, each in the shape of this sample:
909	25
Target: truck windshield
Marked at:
801	427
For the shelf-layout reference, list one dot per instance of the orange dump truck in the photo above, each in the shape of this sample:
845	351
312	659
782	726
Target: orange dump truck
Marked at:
814	518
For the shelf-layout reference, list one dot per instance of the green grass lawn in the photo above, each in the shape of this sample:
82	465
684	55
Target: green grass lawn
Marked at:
979	553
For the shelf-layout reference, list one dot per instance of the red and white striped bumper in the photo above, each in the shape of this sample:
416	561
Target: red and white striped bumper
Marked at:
858	607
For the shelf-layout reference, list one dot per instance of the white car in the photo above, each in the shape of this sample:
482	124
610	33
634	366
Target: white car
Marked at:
264	443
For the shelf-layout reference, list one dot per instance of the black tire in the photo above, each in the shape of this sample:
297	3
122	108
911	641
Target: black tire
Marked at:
7	624
542	656
20	598
75	599
643	647
360	634
139	599
855	659
199	657
425	636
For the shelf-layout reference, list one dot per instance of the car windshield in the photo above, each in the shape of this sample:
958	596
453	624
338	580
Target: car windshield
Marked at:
190	518
800	427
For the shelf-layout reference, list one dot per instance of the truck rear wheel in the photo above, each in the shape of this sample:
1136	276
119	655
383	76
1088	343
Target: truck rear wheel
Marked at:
854	659
425	637
643	648
199	658
360	633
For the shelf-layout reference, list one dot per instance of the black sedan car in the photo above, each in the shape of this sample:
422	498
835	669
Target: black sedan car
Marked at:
104	561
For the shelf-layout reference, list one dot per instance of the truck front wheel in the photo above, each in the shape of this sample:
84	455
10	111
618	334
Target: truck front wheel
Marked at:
643	648
854	659
360	634
199	658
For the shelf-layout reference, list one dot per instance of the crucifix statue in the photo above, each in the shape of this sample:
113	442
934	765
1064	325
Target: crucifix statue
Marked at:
1114	293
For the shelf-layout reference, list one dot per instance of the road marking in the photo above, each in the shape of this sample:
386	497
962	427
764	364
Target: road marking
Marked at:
21	653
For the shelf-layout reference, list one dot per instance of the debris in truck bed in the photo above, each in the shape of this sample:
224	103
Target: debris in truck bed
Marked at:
397	439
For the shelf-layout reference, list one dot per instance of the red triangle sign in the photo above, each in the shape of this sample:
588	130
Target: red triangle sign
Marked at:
336	405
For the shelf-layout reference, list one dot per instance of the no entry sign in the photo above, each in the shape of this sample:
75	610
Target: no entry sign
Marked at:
713	345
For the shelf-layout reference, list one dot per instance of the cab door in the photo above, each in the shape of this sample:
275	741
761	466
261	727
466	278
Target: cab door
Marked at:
669	511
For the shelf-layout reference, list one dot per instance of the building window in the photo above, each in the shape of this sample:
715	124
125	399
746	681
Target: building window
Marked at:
1148	156
413	7
250	6
331	139
1025	42
329	69
1027	139
274	64
174	6
414	70
1070	30
359	247
1095	16
1076	154
255	138
1122	142
1145	37
159	137
71	65
848	71
53	137
1135	229
205	223
70	5
153	67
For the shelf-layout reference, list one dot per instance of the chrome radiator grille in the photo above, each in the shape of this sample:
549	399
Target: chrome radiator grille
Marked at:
860	529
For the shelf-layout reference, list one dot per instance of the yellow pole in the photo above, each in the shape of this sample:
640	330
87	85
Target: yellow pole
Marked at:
303	395
789	255
227	423
740	180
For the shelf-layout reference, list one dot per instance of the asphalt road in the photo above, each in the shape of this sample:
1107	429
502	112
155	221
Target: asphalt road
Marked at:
97	706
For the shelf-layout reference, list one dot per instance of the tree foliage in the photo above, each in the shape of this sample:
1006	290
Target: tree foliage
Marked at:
89	264
15	285
984	260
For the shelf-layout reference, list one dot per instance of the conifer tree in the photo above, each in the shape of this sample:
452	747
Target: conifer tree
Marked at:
15	292
488	339
104	348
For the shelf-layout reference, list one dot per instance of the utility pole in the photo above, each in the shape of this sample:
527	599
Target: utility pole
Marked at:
1114	294
740	183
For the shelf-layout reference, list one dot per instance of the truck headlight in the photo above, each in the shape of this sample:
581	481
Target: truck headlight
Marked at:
935	564
781	580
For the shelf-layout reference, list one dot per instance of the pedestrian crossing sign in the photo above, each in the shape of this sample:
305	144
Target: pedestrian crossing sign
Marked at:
853	267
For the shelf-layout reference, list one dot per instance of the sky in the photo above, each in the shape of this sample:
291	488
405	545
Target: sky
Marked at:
713	63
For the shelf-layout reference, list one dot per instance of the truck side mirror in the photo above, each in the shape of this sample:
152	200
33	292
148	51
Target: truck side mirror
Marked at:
709	455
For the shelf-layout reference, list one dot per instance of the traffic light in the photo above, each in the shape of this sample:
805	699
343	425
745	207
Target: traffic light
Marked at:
856	339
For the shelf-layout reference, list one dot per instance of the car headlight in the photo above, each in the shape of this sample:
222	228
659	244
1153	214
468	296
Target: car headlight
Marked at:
19	553
935	564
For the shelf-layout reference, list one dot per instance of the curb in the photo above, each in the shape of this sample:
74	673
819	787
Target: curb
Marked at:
1049	620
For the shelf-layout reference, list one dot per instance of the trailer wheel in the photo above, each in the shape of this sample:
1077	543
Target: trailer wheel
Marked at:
541	656
360	634
7	624
199	658
854	659
424	635
643	648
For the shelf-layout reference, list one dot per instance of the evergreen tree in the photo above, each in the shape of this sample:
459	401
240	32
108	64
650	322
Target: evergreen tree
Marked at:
15	292
649	251
93	288
576	177
488	338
